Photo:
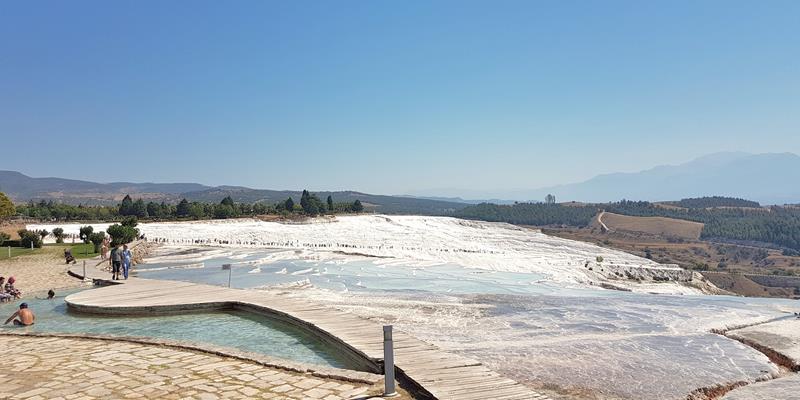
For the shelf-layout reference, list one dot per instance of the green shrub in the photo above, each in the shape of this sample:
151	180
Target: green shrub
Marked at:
59	234
130	221
97	239
30	237
122	234
85	233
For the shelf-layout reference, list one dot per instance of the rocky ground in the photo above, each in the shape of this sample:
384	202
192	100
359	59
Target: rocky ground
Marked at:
39	272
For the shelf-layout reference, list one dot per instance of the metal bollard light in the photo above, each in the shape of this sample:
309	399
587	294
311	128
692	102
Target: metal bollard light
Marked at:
388	363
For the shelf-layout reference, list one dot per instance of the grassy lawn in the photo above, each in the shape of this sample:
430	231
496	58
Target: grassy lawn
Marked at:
83	250
15	251
79	250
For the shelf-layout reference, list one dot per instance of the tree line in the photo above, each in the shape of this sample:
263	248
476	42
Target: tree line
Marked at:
309	204
531	214
716	201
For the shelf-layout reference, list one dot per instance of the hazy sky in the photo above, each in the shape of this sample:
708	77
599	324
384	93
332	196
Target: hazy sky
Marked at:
391	96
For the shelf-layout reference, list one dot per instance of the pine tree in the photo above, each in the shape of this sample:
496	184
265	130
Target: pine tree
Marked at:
183	208
139	209
311	204
126	207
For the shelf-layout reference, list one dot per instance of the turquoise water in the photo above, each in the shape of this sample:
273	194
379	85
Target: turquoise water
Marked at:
354	275
621	345
237	330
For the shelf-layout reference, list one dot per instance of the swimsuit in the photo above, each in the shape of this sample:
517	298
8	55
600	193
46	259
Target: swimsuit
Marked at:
19	323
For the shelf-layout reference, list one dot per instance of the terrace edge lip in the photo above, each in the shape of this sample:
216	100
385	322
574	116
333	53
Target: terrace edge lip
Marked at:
415	239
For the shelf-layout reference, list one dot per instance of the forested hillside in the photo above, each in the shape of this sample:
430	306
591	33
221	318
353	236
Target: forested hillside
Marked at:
24	189
775	225
716	201
531	214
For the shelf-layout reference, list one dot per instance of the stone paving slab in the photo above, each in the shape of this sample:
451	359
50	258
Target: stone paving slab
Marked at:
37	368
321	371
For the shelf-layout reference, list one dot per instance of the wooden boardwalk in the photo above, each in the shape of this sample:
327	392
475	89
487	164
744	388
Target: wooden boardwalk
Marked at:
424	368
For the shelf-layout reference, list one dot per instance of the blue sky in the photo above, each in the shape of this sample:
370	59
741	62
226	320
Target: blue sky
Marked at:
388	96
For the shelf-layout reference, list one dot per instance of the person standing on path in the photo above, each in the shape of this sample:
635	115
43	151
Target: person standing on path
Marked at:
126	260
104	251
116	262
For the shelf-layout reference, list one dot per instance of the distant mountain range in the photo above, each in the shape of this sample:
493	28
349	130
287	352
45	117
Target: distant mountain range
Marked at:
22	188
769	178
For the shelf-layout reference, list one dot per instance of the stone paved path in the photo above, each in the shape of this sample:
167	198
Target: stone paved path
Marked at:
58	368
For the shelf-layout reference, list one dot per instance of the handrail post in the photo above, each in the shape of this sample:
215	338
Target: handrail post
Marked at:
230	272
388	363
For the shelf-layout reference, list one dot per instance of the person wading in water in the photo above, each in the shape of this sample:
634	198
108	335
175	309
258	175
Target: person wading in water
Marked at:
25	315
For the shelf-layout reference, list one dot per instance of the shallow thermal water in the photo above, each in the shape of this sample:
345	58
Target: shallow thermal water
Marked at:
519	301
588	343
415	240
237	330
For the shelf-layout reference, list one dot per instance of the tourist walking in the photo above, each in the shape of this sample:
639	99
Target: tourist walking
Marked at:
126	260
116	262
104	250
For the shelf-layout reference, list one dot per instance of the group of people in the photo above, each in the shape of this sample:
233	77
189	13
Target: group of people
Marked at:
7	290
120	260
